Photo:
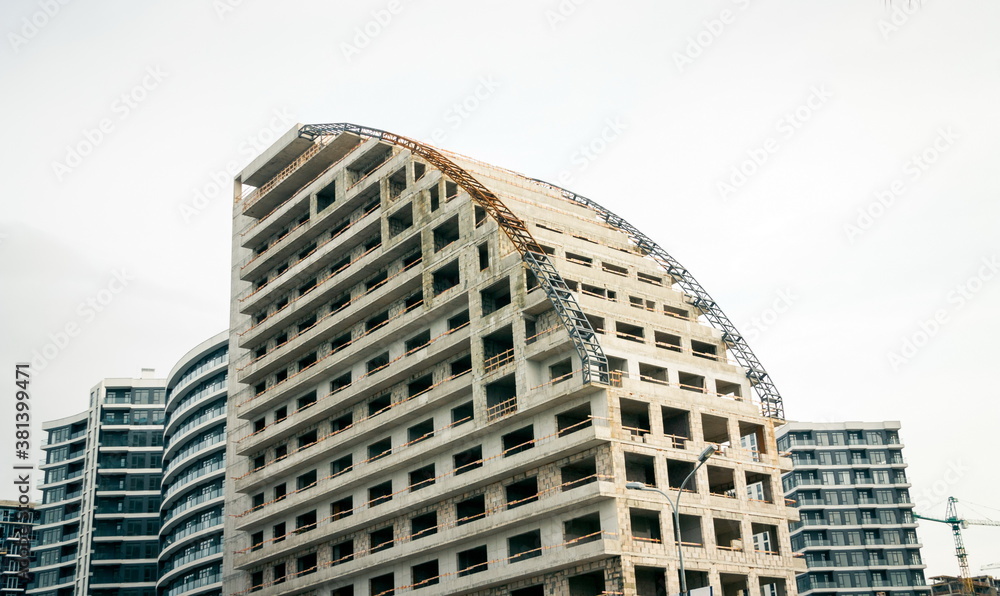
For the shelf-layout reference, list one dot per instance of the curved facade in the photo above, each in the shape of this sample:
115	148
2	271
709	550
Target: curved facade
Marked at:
445	373
194	443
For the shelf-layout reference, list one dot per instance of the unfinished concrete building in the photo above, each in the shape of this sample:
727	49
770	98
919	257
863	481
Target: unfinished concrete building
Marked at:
949	585
443	374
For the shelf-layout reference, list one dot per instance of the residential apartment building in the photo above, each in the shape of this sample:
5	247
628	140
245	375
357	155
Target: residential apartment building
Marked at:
16	528
99	516
856	528
194	447
443	374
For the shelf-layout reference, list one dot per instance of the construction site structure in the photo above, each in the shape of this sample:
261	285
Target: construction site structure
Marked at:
443	374
957	524
949	585
856	527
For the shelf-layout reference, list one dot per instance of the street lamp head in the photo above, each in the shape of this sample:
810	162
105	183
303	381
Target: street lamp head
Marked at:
706	453
636	485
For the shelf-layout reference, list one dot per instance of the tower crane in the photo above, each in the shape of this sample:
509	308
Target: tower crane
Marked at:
957	524
990	566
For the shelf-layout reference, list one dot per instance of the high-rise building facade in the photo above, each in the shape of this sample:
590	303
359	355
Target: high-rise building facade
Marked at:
57	536
194	450
99	516
16	528
443	374
856	528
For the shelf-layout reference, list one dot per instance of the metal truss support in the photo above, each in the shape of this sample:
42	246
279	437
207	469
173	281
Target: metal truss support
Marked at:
594	362
770	399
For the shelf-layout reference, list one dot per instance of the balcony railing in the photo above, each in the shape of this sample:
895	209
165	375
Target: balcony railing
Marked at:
265	188
185	531
193	583
189	503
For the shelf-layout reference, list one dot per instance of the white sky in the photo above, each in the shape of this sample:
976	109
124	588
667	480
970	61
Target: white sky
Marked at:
831	303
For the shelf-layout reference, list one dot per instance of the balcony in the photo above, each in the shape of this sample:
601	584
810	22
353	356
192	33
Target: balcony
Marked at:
192	583
447	486
251	404
342	216
210	523
404	282
175	510
198	448
361	232
181	482
430	397
78	434
316	158
214	414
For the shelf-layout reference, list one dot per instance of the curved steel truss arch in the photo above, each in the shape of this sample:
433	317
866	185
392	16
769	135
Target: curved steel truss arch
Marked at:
771	402
594	362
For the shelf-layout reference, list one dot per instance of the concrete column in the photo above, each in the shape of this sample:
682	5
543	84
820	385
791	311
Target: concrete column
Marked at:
655	419
662	477
733	427
753	584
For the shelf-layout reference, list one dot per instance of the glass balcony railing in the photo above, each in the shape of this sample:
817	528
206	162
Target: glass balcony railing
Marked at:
193	582
179	483
217	358
815	542
52	441
178	458
192	556
194	422
183	506
192	529
205	388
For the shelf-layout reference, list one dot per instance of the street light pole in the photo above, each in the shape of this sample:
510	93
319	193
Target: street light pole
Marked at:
675	505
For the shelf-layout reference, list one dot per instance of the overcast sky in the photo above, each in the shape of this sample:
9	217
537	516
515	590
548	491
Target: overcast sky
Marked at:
825	169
